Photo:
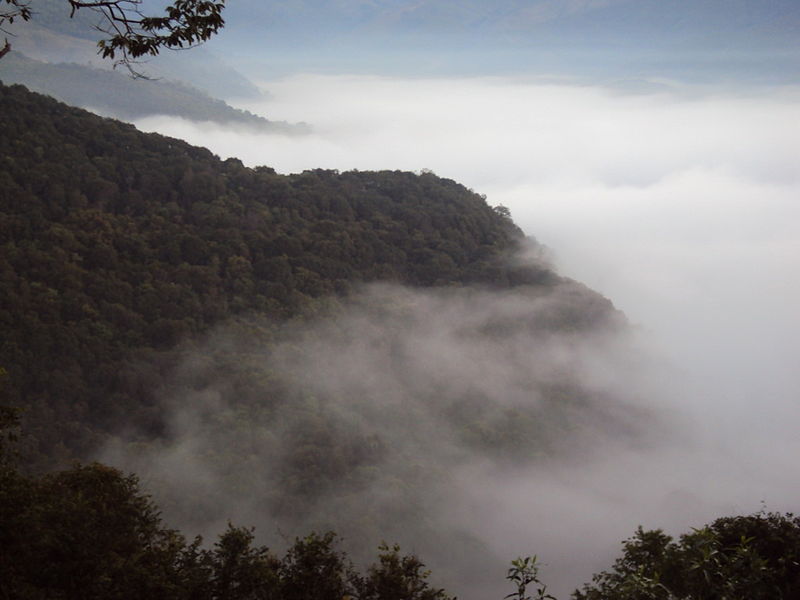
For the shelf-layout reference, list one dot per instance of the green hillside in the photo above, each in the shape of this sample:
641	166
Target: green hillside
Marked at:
117	245
318	351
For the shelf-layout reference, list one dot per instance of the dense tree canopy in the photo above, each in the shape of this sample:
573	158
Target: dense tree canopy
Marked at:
753	557
116	245
91	533
130	33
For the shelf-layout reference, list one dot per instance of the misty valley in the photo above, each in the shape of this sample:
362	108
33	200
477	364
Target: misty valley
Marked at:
233	352
280	348
371	353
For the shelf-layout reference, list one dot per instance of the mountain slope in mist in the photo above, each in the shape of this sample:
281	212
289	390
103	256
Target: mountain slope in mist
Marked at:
312	351
117	245
125	98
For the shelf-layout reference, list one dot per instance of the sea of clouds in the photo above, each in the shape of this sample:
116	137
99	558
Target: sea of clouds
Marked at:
679	203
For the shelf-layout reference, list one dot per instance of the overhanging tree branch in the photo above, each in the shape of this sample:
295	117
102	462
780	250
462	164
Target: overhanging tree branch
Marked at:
130	34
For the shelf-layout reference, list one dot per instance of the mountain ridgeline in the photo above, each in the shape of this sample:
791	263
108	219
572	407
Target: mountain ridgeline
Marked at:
117	245
129	99
321	351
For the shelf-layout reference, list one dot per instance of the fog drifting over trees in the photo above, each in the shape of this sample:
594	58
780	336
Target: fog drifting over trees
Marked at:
677	202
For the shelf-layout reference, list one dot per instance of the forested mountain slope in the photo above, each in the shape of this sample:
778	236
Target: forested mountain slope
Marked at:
116	245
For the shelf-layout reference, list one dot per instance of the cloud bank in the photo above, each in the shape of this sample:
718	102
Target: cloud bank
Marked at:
400	417
678	203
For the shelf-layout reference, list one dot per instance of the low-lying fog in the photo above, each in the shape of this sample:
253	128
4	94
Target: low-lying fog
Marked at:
680	204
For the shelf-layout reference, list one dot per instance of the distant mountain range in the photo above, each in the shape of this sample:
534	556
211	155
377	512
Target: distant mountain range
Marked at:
116	94
56	55
52	36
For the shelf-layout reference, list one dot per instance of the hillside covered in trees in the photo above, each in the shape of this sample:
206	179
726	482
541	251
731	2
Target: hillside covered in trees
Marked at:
117	245
300	352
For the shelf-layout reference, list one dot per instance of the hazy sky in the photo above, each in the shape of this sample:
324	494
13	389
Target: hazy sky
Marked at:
702	39
679	203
